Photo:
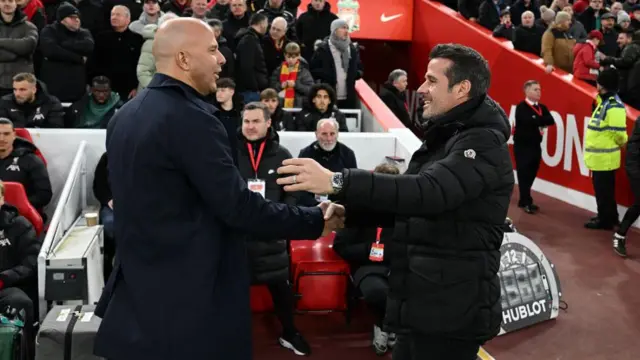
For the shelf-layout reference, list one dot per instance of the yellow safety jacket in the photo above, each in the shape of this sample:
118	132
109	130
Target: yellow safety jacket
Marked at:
605	135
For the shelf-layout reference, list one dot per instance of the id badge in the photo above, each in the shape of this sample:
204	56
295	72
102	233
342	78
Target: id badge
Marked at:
257	186
377	252
321	198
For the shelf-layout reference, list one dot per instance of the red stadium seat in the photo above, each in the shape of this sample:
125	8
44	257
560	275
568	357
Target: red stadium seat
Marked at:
25	134
261	299
15	195
320	277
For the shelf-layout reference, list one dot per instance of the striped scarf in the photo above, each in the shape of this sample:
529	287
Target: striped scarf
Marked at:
287	74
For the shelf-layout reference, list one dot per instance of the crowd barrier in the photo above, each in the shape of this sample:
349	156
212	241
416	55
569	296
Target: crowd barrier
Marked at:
563	174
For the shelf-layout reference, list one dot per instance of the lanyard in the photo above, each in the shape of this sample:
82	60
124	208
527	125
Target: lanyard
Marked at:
538	110
378	234
255	162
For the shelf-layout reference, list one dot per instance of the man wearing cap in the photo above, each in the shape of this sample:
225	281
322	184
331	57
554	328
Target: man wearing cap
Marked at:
585	64
591	17
608	45
65	47
150	15
603	139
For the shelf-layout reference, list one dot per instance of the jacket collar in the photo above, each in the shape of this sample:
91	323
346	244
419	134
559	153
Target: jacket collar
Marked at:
160	80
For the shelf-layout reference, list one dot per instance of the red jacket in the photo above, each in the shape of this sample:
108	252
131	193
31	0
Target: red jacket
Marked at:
585	66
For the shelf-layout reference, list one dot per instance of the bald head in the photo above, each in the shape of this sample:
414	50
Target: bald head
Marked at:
186	49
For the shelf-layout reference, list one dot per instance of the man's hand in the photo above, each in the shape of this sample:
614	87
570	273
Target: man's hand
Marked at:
110	203
334	216
133	93
306	175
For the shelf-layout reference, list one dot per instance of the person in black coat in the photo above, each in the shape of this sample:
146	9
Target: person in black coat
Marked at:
259	155
102	192
251	68
448	211
320	104
393	94
229	106
489	14
632	165
532	118
237	19
181	206
280	120
229	67
527	36
31	105
314	24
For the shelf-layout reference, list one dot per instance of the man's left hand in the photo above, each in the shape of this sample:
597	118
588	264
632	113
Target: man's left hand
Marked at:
306	175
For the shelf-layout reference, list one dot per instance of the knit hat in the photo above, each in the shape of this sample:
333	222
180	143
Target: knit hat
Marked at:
65	10
608	79
548	15
337	24
595	34
623	16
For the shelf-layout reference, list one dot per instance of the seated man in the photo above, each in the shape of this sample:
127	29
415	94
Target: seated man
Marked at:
95	109
259	155
321	104
19	248
19	163
31	105
328	152
363	249
102	192
280	120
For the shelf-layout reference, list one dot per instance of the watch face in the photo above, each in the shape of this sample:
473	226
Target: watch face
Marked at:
337	180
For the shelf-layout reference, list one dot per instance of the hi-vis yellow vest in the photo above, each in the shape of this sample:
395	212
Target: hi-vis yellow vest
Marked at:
606	134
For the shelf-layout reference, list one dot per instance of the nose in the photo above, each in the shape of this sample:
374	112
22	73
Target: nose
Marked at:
423	88
221	59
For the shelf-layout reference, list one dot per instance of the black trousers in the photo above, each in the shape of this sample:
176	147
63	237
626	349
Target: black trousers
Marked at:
633	212
16	298
528	157
428	347
283	304
374	289
604	186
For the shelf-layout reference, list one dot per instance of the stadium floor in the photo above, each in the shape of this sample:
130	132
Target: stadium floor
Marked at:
602	320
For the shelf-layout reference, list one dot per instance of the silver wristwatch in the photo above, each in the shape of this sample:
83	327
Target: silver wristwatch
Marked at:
337	182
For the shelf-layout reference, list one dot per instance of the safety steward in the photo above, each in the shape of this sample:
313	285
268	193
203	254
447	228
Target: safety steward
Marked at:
604	137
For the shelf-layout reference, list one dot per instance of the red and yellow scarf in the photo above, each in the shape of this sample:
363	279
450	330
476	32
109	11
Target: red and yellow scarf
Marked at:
287	74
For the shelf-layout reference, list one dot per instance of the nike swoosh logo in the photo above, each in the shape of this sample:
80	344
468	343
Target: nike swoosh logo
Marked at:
271	171
384	18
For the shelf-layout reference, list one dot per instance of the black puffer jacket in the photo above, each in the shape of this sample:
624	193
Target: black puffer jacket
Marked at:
269	259
25	167
45	111
449	209
250	66
19	248
632	160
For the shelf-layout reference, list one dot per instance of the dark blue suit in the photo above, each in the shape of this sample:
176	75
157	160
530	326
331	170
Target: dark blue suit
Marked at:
180	287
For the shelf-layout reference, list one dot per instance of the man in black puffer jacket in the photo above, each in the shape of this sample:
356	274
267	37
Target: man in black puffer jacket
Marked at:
448	212
259	155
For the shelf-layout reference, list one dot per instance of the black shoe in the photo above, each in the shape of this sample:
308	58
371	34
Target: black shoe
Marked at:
598	224
530	209
295	343
620	245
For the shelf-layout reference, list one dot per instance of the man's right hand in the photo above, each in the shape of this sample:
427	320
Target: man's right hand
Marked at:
334	216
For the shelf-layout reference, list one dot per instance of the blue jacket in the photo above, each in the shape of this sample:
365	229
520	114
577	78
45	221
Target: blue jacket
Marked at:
180	287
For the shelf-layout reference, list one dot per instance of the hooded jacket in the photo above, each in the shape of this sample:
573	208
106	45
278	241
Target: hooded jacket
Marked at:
25	167
146	63
18	41
45	111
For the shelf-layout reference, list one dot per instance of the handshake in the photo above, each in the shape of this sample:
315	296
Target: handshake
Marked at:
334	216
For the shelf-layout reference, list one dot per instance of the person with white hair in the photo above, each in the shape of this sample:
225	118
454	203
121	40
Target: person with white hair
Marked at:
274	43
394	94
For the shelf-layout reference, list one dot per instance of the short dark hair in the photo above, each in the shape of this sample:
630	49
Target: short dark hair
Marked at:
6	121
101	80
257	105
257	19
467	64
214	23
529	83
226	83
268	94
28	77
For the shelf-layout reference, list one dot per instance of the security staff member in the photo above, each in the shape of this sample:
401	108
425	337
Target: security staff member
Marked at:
605	135
531	119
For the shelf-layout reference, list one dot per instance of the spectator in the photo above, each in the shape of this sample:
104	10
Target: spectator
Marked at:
251	69
292	79
34	10
579	6
90	11
30	105
603	139
546	17
117	54
505	29
289	5
313	25
370	276
635	17
321	104
591	17
559	5
236	20
577	29
177	7
623	22
337	62
102	192
19	249
490	14
394	94
616	8
220	10
19	163
19	41
259	154
135	8
198	9
151	14
628	5
585	66
273	44
229	67
557	44
608	45
146	67
95	109
470	9
280	120
520	7
65	47
628	66
229	105
275	9
528	36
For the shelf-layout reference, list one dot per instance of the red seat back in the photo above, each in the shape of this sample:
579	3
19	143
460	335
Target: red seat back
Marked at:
25	134
15	195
